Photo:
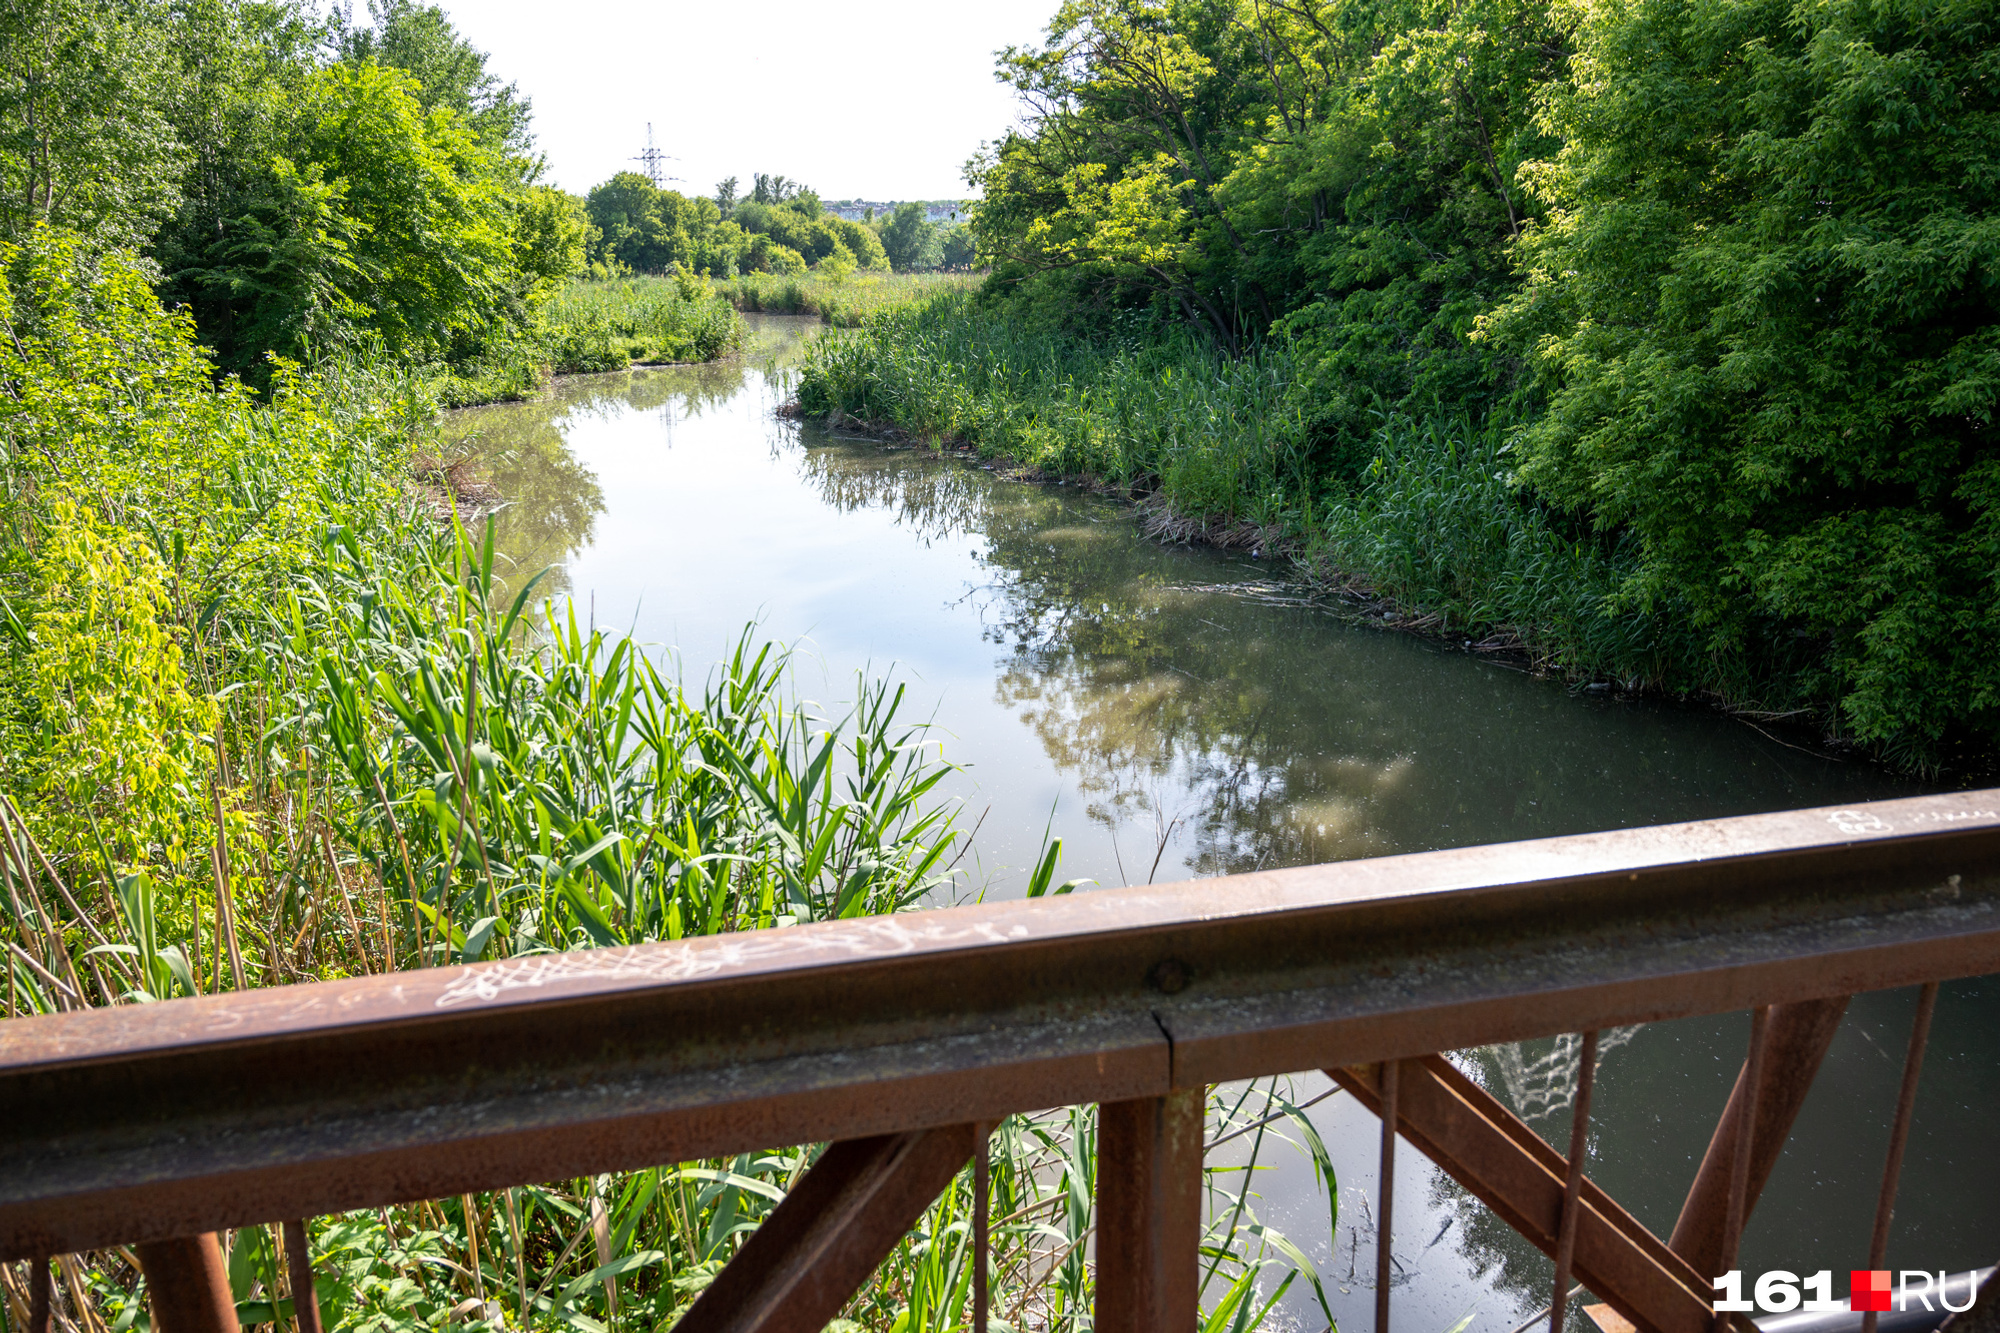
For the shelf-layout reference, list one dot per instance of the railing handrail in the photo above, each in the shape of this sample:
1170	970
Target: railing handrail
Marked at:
170	1119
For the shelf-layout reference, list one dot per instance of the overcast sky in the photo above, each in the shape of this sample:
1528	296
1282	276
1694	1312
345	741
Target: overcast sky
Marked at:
877	99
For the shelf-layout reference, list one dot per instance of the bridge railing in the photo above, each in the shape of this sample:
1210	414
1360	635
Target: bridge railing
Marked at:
903	1039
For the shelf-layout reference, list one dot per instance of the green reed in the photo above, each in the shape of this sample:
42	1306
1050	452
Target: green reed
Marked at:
264	722
1428	515
593	325
604	325
844	302
547	786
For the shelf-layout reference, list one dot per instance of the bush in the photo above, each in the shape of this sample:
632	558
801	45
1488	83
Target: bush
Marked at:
1763	313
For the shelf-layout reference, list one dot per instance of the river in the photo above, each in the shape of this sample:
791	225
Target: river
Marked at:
1174	713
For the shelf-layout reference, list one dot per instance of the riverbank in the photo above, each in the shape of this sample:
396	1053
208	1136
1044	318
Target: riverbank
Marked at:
594	325
1425	531
847	302
588	326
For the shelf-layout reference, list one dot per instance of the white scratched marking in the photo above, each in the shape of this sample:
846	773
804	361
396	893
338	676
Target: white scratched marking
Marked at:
879	937
1856	821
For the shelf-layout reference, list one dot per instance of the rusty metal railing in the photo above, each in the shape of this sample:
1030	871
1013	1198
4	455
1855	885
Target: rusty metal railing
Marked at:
903	1039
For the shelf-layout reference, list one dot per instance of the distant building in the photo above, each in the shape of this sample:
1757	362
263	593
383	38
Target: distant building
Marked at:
945	212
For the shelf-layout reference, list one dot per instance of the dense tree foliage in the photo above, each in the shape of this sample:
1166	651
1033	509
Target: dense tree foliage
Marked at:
1719	277
780	228
301	184
915	244
1342	172
1764	309
87	140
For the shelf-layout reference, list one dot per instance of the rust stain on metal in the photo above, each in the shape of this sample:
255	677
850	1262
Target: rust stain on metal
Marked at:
157	1121
1513	1171
1149	1198
817	1247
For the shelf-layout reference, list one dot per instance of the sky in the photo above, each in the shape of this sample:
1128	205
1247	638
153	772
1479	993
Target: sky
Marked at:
873	99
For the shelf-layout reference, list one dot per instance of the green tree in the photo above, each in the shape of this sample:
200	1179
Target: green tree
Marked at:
85	137
957	251
909	239
450	72
861	240
1763	308
768	189
240	72
379	218
1338	173
651	230
550	229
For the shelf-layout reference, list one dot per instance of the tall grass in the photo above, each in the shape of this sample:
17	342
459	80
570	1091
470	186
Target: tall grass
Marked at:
1224	447
1437	524
593	325
526	792
264	723
589	325
414	780
844	302
1154	411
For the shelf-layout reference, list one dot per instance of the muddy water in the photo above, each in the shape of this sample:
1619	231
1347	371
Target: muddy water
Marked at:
1174	713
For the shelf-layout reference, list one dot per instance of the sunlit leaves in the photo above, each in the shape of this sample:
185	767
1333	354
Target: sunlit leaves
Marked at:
1763	305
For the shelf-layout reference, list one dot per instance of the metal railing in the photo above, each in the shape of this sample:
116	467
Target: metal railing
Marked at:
903	1039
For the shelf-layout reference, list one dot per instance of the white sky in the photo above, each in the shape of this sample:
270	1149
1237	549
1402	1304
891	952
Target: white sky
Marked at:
876	99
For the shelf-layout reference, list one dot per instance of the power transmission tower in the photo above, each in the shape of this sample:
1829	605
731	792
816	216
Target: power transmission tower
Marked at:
655	161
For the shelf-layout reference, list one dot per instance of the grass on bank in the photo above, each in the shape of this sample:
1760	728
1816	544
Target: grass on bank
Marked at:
262	722
843	302
592	325
1223	446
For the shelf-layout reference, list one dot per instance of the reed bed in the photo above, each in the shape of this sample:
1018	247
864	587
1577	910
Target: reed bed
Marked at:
843	302
589	325
1225	449
264	721
593	325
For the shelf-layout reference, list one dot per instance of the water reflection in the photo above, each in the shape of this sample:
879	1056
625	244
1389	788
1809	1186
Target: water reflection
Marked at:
1181	712
552	497
1202	708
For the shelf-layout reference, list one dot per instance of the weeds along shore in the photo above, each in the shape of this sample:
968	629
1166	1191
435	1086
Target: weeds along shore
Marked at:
270	714
1425	530
589	326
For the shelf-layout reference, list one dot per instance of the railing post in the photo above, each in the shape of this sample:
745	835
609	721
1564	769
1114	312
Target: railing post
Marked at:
190	1285
1899	1137
1391	1082
1795	1042
1737	1212
1149	1213
298	1264
1579	1146
41	1295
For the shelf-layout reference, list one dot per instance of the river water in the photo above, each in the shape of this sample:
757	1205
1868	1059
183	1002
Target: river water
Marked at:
1173	713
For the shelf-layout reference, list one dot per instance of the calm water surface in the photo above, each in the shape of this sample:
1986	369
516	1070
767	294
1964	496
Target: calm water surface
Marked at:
1173	713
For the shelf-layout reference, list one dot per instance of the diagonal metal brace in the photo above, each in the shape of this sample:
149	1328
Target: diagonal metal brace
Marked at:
1794	1049
1508	1167
831	1233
